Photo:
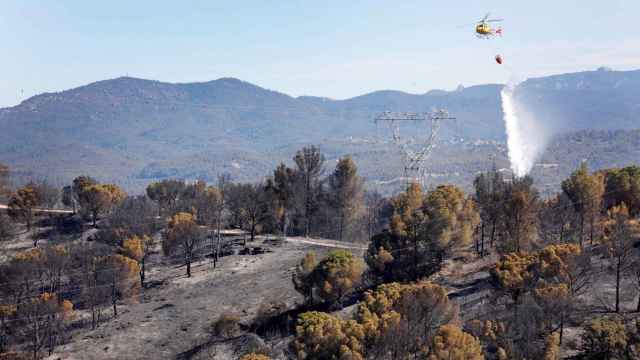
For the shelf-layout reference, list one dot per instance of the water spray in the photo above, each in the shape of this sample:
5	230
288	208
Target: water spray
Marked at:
527	136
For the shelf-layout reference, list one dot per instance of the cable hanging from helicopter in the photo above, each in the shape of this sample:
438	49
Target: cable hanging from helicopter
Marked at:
484	30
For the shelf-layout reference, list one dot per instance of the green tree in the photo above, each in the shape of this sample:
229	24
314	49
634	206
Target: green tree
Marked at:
585	191
78	185
166	193
520	214
489	194
424	231
309	165
450	218
404	252
623	186
407	243
282	185
346	196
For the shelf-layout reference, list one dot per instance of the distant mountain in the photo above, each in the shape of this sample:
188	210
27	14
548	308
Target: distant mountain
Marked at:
134	131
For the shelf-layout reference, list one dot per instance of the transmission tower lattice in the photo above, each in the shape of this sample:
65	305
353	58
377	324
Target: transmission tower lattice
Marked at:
413	158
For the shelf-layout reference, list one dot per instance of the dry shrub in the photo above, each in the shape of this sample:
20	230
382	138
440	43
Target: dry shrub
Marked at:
255	356
15	356
227	325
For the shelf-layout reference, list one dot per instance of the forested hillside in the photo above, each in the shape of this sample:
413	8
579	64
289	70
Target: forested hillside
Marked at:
308	264
133	131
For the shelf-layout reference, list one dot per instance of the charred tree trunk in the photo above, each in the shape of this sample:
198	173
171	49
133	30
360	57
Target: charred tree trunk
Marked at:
581	230
253	231
561	326
618	270
493	232
482	239
142	270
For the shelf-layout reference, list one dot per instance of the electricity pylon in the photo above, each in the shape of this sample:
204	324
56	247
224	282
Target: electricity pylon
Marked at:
413	158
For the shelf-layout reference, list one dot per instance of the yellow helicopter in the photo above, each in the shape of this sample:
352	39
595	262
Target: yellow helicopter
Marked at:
484	30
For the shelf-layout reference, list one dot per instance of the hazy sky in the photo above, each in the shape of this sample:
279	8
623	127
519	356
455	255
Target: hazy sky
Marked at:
337	49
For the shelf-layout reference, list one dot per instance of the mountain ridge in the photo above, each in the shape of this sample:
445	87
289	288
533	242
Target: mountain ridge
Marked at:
139	129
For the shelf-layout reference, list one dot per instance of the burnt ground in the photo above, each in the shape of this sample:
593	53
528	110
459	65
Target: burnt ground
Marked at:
172	317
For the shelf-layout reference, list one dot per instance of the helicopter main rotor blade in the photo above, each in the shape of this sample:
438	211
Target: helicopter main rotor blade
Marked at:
469	24
494	20
485	17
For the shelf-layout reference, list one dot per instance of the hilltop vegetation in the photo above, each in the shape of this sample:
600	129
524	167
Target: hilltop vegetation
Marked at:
496	273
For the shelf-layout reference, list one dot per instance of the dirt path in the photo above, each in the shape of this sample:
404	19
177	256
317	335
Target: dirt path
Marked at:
48	211
326	243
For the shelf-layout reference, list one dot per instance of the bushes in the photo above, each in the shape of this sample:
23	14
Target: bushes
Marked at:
552	347
337	275
227	326
402	318
395	321
451	343
254	356
332	279
322	336
604	339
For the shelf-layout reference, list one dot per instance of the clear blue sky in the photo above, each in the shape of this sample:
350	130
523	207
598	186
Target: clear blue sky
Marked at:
337	49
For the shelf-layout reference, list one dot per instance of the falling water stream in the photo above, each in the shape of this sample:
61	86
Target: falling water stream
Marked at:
529	130
521	163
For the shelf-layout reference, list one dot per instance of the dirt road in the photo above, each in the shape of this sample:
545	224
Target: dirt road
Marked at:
49	211
326	243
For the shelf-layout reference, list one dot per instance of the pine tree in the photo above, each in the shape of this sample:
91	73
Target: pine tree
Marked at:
23	203
182	236
345	193
100	198
620	235
451	343
309	165
585	192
